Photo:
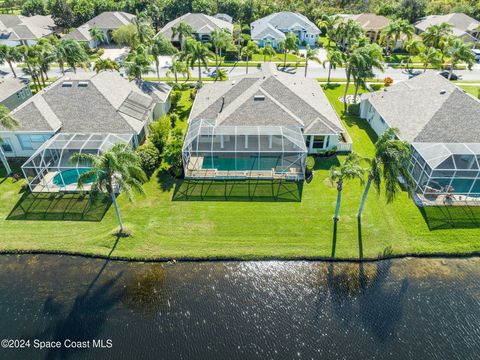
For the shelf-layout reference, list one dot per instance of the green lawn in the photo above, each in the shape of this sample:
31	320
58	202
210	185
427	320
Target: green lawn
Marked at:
177	219
473	90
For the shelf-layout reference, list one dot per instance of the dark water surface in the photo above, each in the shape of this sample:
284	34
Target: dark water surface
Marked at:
399	309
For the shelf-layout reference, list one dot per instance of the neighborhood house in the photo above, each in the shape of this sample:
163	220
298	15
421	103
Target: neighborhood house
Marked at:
18	30
463	26
261	125
441	122
273	28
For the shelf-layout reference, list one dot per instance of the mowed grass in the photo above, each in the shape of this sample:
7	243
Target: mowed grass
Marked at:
239	220
472	90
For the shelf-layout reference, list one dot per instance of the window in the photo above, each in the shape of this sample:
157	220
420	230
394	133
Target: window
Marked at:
307	141
30	142
318	142
6	145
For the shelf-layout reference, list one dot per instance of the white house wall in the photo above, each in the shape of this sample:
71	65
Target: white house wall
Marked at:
18	151
368	112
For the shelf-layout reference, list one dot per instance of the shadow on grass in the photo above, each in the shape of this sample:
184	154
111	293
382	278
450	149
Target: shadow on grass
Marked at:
238	190
58	206
451	217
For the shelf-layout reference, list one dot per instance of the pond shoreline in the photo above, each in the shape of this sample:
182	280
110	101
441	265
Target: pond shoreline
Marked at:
213	259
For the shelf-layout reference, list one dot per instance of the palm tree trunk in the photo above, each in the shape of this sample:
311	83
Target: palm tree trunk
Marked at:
62	67
284	59
41	77
339	200
356	91
329	72
306	67
246	69
3	158
452	65
176	77
117	210
216	59
364	198
346	91
11	68
157	66
199	72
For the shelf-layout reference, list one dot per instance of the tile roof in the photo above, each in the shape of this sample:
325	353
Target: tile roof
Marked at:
268	98
198	22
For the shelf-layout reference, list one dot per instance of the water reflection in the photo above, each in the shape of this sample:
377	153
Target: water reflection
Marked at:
412	308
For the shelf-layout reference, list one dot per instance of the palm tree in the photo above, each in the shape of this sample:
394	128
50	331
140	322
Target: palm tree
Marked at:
221	75
414	47
391	160
182	31
137	63
391	33
220	40
310	54
334	58
178	67
248	51
430	56
98	36
289	44
435	35
348	34
106	64
8	122
45	54
197	53
161	46
73	53
10	55
328	23
145	32
111	171
269	51
32	65
459	51
350	169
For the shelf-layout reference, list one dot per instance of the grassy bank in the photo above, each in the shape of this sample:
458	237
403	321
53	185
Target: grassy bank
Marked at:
177	219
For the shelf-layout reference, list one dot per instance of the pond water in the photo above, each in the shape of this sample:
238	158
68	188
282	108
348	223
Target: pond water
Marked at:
399	309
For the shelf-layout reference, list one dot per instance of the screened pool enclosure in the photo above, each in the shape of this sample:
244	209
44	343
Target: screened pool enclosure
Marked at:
50	169
236	152
446	169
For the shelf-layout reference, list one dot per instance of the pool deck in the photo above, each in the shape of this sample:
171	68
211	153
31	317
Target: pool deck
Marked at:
48	186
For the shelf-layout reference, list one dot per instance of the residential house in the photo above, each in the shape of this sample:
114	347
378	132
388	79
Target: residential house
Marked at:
107	21
442	124
273	28
260	125
224	17
201	24
463	26
14	91
86	103
24	30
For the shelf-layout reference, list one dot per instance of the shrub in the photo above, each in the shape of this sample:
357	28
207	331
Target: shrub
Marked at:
100	51
310	165
245	29
149	158
159	131
172	155
173	119
193	93
175	97
231	55
354	109
388	81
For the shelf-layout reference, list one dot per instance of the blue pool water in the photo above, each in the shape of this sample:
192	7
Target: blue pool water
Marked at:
244	163
69	176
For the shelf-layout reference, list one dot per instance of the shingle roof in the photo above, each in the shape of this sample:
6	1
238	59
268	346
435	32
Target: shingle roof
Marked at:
9	86
268	98
197	21
108	20
89	102
18	27
283	21
461	23
429	108
371	21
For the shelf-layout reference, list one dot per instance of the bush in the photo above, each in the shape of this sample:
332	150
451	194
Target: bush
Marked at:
231	55
193	93
100	52
388	81
173	119
354	109
172	155
159	131
310	165
149	158
175	97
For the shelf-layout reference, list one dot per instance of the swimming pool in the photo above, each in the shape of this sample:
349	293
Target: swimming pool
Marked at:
69	177
241	163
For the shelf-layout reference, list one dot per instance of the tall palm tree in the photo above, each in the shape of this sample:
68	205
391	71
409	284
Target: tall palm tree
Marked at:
45	55
348	34
334	58
391	33
73	53
161	46
328	24
248	51
269	51
436	35
98	36
414	47
178	67
137	63
310	54
220	40
182	31
197	54
350	169
145	32
8	122
106	64
459	51
289	44
430	56
114	170
10	55
391	160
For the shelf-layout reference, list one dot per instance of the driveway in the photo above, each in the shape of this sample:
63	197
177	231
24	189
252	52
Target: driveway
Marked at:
114	53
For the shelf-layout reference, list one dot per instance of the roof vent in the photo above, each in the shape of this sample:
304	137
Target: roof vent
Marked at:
259	98
67	84
443	92
82	83
233	82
